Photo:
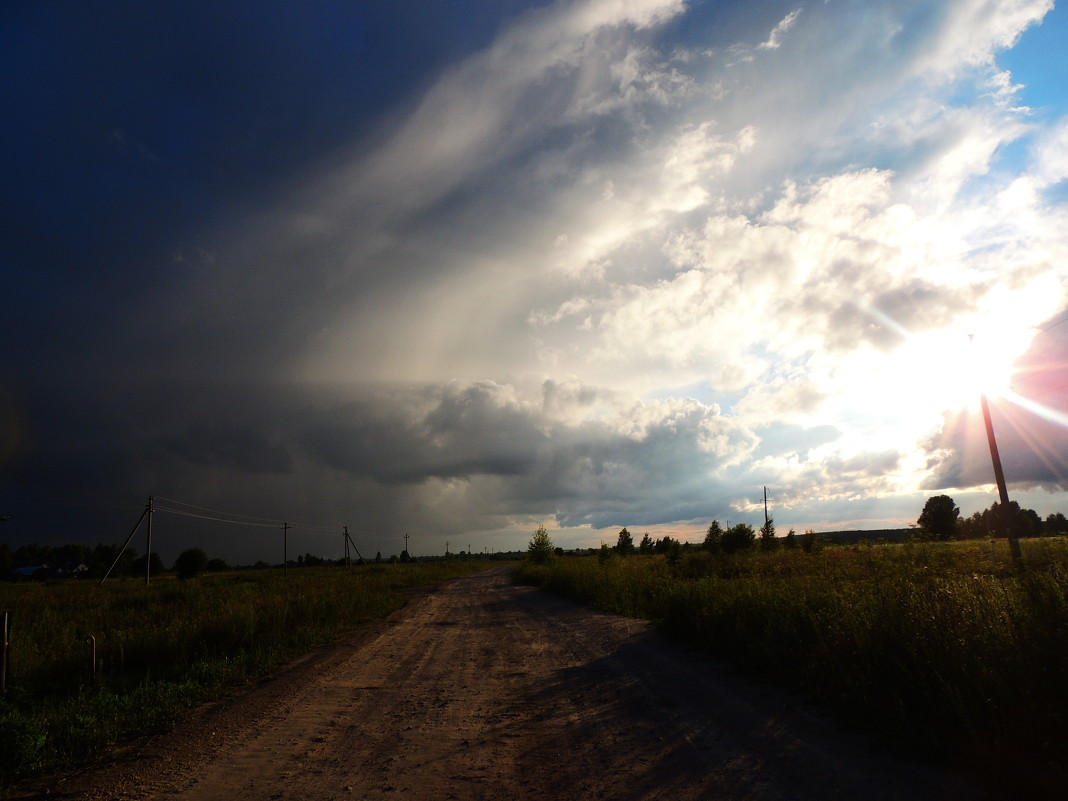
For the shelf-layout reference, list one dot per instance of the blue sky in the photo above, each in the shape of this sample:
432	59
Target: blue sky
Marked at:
458	270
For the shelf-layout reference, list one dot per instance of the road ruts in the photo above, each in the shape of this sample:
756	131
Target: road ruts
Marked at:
487	690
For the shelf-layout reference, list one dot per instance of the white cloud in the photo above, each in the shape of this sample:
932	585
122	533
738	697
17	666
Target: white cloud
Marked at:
774	41
575	230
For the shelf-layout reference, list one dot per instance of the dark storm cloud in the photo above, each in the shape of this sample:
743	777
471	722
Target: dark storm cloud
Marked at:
438	433
136	133
242	447
590	472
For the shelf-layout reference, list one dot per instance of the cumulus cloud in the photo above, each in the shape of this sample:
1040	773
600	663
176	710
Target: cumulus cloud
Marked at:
636	246
595	274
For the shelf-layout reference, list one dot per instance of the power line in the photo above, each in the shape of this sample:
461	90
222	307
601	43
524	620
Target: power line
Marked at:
1052	325
234	518
216	519
265	520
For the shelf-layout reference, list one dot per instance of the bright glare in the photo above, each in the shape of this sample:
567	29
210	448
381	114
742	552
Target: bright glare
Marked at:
939	371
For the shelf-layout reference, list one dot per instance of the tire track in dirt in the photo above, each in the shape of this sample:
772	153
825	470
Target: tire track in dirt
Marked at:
486	690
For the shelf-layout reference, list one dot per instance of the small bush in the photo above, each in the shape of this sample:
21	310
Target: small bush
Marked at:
191	563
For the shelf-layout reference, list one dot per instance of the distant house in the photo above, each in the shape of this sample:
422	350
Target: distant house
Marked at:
73	569
39	570
31	570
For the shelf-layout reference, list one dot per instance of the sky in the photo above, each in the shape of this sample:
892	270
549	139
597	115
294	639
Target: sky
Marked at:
461	269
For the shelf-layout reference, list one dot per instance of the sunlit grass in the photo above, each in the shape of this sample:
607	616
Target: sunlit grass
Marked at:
942	650
163	649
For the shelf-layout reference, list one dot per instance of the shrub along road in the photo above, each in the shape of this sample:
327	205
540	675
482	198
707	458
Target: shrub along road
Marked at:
483	689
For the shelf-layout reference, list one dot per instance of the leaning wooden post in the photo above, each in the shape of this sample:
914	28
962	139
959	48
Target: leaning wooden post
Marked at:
1003	493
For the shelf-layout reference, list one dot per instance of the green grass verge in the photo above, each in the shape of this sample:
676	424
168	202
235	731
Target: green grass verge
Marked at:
167	648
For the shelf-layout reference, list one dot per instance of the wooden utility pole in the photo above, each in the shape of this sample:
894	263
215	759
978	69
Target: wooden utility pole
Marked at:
5	649
406	544
148	549
765	507
285	548
999	477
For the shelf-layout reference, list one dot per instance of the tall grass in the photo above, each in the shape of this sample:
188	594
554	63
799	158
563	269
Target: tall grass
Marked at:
941	650
163	649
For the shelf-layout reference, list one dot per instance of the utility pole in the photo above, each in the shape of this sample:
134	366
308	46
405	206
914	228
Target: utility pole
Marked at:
765	507
148	550
406	544
345	538
285	548
999	477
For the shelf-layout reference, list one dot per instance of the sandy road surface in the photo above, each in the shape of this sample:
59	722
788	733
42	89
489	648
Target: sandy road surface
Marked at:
484	690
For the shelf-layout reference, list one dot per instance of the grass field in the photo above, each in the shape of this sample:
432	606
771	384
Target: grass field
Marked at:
166	648
940	650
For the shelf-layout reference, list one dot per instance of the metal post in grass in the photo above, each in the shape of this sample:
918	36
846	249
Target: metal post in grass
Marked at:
5	649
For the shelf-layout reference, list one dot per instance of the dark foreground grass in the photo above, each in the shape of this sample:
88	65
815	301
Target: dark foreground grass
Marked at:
164	649
939	650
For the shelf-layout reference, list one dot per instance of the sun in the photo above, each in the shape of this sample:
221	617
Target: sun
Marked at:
944	370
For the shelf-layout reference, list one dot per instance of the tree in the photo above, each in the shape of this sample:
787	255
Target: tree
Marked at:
671	548
605	555
1056	523
191	563
767	536
7	560
939	518
811	542
625	543
646	545
790	541
156	565
540	550
738	538
713	537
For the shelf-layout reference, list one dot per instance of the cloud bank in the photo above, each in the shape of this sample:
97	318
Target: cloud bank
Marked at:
623	264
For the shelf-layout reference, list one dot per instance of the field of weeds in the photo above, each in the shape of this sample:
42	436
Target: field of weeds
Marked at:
168	647
940	650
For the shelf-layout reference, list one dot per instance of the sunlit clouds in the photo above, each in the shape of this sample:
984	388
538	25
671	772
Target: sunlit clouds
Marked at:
624	264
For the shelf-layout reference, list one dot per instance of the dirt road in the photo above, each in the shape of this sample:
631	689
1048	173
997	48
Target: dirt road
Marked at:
485	690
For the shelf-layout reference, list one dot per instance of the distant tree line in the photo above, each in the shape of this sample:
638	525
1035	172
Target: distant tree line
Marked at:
86	561
941	520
